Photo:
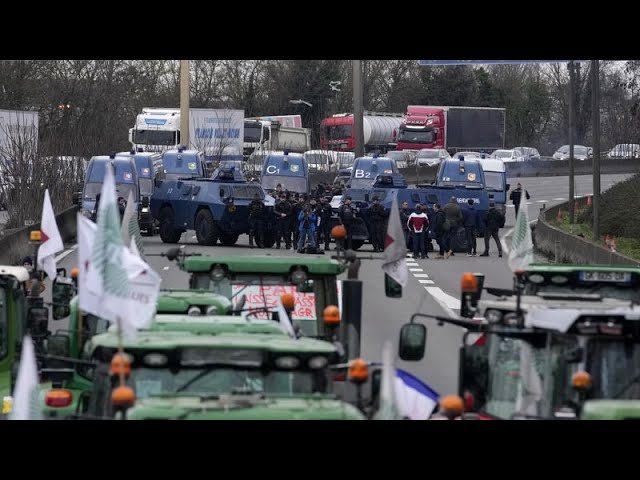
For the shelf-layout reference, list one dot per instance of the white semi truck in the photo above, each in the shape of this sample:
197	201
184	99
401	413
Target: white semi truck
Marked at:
219	133
264	136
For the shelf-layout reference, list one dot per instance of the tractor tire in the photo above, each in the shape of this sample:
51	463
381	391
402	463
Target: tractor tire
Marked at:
206	228
168	232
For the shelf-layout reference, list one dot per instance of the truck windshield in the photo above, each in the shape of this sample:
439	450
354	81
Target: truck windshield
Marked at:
615	369
412	136
523	375
252	132
337	132
308	300
293	184
494	180
154	137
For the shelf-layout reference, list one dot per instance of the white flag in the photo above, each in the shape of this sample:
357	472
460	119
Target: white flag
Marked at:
51	239
89	302
521	254
388	409
130	227
284	319
26	394
395	250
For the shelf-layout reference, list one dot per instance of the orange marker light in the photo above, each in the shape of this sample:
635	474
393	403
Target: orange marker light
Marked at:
331	316
123	397
469	283
358	371
58	397
581	380
75	272
338	232
452	404
120	363
35	236
288	301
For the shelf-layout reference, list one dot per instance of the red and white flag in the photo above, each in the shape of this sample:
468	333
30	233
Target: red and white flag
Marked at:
51	239
395	249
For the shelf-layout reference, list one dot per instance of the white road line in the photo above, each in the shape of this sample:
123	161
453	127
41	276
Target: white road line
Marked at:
427	282
66	253
412	264
416	270
559	199
542	201
421	275
165	268
446	301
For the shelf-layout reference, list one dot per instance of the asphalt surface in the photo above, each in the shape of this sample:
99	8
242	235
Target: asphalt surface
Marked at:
433	286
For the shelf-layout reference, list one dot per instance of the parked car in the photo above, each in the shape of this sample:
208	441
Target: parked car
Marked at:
508	155
528	153
429	157
403	158
467	155
625	150
580	152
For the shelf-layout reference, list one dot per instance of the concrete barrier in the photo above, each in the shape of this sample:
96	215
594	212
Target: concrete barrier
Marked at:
567	248
554	168
14	244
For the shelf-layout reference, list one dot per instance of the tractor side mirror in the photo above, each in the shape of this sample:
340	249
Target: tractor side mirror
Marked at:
413	340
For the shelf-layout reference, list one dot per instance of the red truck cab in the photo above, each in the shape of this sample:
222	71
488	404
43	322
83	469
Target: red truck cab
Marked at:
337	133
422	127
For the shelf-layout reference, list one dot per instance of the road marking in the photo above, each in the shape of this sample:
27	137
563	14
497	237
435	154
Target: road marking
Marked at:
428	282
66	253
165	268
542	201
416	270
421	275
445	300
559	199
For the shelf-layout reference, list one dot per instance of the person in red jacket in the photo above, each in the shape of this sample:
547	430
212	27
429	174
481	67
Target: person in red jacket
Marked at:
418	224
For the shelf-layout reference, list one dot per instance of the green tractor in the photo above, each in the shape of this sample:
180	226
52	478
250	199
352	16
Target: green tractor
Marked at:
224	368
549	362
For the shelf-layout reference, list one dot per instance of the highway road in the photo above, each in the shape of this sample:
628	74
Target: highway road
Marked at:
433	285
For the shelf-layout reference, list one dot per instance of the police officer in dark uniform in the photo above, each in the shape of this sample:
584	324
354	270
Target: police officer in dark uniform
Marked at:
377	216
323	212
256	221
283	221
296	208
347	214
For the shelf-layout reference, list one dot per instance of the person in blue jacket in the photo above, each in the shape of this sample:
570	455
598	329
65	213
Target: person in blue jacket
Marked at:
307	227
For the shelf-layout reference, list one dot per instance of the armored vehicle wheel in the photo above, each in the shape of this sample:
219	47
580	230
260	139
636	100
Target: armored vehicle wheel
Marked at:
206	228
228	239
168	233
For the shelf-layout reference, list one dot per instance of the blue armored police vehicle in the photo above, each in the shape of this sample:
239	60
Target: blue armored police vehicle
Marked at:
126	180
181	162
287	169
150	173
216	207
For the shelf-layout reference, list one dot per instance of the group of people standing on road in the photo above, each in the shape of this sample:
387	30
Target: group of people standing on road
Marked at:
297	220
443	223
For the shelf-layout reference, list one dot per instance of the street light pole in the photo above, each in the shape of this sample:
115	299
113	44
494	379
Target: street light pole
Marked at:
184	103
358	110
595	77
572	97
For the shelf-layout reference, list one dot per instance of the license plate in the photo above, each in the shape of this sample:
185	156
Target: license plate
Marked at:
619	277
